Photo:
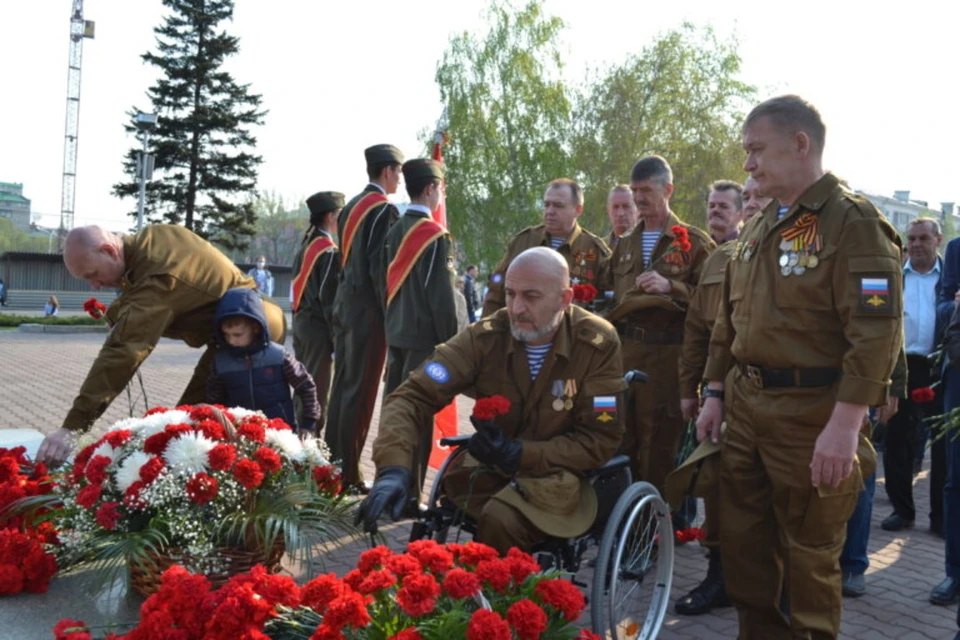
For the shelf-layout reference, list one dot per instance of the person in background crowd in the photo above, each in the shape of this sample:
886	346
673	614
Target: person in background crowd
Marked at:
52	307
622	212
463	316
820	261
947	591
725	212
262	276
753	202
3	294
472	293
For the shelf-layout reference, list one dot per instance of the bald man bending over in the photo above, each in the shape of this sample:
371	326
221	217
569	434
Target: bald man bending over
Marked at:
170	280
559	366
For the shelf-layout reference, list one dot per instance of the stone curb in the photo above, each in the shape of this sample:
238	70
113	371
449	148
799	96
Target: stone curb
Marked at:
63	328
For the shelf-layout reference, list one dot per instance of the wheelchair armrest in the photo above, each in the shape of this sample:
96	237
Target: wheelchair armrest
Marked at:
455	441
613	464
635	375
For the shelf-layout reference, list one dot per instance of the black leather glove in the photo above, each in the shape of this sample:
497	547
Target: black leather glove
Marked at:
491	447
389	491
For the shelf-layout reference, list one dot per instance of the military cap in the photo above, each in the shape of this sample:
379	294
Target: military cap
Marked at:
383	154
324	202
420	168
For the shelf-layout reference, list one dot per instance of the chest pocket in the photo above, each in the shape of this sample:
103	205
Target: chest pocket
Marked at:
812	290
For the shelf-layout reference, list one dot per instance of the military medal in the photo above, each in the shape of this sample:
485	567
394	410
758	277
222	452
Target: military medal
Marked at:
557	404
786	270
812	261
799	271
784	260
569	390
557	391
800	243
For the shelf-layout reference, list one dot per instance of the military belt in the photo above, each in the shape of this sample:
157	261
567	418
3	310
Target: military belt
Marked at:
767	378
640	334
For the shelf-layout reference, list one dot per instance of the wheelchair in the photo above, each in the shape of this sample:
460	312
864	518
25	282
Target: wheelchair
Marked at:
633	534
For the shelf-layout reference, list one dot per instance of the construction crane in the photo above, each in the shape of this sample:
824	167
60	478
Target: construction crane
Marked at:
79	29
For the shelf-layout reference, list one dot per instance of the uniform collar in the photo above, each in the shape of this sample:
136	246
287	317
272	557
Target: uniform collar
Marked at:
418	208
377	187
570	238
672	221
813	199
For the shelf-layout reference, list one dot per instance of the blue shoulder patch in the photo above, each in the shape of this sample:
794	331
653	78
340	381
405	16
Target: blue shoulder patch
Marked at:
437	372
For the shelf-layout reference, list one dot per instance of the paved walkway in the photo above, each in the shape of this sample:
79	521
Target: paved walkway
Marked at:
39	373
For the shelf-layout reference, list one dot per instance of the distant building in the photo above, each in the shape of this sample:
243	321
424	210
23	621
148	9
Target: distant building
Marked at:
14	206
900	210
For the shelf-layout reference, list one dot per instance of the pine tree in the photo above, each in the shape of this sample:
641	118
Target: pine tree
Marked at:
205	172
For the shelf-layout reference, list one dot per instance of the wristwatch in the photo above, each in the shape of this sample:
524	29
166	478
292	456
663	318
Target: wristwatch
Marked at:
712	393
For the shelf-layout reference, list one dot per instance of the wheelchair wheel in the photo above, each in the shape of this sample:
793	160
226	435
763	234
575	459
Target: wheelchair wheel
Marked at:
437	523
634	569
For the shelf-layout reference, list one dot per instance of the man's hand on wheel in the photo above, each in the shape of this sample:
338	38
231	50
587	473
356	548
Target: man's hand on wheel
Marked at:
56	447
489	446
389	491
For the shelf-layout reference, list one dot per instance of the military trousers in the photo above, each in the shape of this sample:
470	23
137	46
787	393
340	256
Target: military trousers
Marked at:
654	424
775	524
196	391
400	362
313	347
711	506
360	346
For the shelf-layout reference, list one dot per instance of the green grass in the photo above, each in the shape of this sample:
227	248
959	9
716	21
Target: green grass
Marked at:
16	321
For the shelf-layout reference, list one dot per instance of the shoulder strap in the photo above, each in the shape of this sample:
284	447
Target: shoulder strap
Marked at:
412	246
355	218
316	248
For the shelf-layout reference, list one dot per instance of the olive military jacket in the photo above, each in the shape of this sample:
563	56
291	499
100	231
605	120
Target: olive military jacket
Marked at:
173	282
583	367
701	314
682	269
844	311
321	288
362	276
587	256
423	313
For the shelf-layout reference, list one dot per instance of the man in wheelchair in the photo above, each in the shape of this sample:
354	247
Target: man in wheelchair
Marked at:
559	366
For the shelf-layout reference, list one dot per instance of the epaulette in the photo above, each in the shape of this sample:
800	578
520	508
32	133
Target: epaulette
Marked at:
496	323
596	332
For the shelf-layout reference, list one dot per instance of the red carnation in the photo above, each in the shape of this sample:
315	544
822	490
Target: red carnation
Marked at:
155	410
373	559
488	625
222	457
418	595
202	488
460	583
521	565
88	496
94	308
11	579
269	459
278	424
403	564
923	394
562	596
212	429
496	573
490	408
410	633
201	413
157	443
71	629
328	479
377	581
528	619
347	610
321	591
248	473
118	438
324	632
96	471
252	431
584	292
9	469
473	553
151	469
108	515
131	497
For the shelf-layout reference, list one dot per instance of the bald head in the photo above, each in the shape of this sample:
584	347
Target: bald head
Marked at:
95	255
545	262
538	291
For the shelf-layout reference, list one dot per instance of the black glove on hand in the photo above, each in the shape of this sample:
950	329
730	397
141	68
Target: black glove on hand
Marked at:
490	446
389	491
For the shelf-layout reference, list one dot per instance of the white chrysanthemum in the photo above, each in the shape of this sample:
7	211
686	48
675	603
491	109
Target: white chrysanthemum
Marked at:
105	449
129	471
239	413
157	422
315	452
286	442
187	454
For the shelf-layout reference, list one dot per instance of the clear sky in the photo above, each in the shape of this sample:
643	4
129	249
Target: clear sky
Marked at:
339	76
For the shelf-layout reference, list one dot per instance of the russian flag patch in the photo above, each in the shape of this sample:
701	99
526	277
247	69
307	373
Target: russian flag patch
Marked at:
875	295
605	408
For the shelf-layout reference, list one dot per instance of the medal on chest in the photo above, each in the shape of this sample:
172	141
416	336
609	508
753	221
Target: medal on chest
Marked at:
799	245
563	392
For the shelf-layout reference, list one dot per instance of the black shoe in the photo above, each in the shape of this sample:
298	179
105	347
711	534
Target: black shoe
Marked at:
895	522
707	595
936	527
946	592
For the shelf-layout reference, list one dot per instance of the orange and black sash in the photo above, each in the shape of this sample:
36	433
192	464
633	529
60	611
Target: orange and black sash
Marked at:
316	248
357	215
414	243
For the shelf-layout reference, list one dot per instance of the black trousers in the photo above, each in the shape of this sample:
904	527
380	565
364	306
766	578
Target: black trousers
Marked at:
900	443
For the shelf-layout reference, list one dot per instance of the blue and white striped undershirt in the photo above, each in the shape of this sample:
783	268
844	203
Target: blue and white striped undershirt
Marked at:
536	356
556	242
782	211
649	244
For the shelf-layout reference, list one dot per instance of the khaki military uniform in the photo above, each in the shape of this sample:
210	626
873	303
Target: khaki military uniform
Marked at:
651	329
562	418
171	288
422	314
313	320
587	255
701	315
360	339
793	337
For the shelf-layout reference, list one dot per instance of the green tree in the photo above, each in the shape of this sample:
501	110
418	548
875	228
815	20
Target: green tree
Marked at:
202	142
13	239
681	98
278	231
508	115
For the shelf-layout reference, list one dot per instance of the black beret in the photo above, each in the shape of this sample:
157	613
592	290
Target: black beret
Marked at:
419	168
383	154
325	201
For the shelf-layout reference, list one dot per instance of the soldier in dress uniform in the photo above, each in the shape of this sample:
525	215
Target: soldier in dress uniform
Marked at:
316	270
559	366
360	343
587	255
622	212
170	282
421	304
806	337
654	276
